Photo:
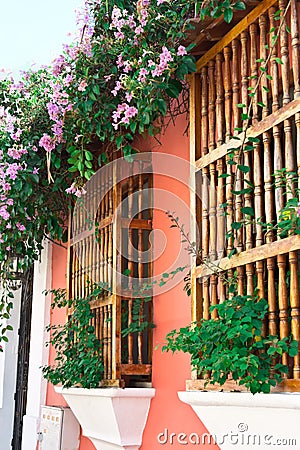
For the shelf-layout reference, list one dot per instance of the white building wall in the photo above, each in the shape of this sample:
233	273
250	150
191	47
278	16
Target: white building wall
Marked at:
8	371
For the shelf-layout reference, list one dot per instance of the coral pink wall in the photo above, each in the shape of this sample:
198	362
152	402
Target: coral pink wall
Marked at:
171	308
59	264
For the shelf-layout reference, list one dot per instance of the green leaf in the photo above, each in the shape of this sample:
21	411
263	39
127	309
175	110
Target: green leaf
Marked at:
244	169
228	14
174	88
279	61
245	116
236	225
248	210
239	6
88	155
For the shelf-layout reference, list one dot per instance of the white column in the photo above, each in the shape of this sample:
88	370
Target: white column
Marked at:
36	394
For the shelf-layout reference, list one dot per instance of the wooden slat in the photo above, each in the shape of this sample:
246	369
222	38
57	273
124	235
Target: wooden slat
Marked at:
136	369
195	151
264	125
265	251
234	33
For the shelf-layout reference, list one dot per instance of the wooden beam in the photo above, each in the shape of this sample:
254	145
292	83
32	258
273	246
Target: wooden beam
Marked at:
264	125
235	32
136	369
291	385
265	251
138	224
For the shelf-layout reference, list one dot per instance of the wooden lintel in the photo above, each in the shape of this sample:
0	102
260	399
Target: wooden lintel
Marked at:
139	224
91	231
260	253
113	383
136	369
235	32
264	125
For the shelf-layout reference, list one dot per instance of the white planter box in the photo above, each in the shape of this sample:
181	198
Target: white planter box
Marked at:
112	418
243	420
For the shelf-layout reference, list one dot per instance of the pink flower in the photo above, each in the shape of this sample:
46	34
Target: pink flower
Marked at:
181	50
82	86
77	191
20	226
47	143
139	30
116	89
142	75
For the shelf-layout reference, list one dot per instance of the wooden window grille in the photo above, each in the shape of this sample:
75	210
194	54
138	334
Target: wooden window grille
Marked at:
224	78
119	215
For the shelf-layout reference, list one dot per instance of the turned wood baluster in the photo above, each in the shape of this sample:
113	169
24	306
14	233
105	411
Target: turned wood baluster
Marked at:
97	322
74	281
244	70
130	265
109	341
110	256
257	173
245	100
214	294
285	70
240	280
84	262
268	187
105	262
250	278
87	265
102	256
283	302
295	307
220	111
212	167
293	257
140	261
105	337
220	106
267	150
76	268
236	124
290	166
228	119
278	164
205	187
228	92
110	193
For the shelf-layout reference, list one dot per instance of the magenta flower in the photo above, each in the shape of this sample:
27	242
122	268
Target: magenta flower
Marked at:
47	143
181	50
20	226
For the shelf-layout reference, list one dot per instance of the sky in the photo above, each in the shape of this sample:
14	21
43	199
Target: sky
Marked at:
33	31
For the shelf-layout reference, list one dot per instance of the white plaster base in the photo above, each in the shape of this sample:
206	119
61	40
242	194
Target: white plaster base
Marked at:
112	418
243	420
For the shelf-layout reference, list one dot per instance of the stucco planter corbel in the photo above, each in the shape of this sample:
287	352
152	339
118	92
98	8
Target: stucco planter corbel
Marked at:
112	418
237	420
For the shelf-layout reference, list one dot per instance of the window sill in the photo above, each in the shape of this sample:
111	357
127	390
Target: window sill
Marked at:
112	418
238	419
